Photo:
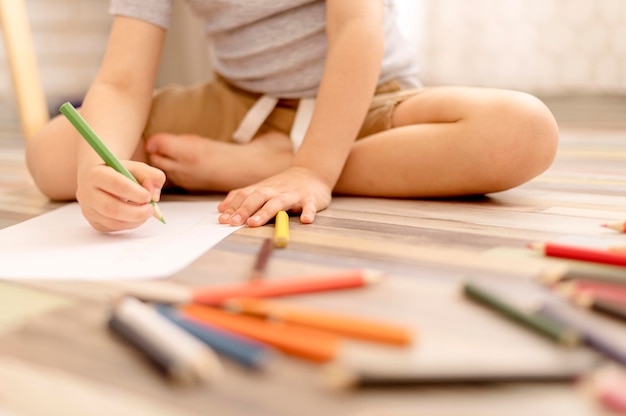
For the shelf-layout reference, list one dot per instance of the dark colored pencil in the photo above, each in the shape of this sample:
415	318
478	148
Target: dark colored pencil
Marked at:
545	326
339	375
177	353
590	335
262	259
607	307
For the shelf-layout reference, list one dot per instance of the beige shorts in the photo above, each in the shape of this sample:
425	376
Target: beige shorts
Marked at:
216	109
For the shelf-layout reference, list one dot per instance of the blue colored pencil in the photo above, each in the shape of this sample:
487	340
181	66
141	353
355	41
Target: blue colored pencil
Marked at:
247	352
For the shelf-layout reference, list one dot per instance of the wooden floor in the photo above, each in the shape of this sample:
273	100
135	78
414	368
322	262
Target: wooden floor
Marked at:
57	357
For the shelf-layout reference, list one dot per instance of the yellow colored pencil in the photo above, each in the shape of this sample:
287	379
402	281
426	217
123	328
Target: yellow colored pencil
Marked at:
281	229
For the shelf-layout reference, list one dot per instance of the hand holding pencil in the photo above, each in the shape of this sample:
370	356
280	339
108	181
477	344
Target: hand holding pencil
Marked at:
109	201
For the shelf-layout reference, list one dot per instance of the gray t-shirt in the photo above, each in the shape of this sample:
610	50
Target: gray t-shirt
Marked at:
275	47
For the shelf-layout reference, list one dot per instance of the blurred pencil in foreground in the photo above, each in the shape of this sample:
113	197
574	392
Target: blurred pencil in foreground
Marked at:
614	256
291	339
617	226
245	351
607	307
181	356
591	335
345	279
546	326
585	291
608	386
348	326
163	292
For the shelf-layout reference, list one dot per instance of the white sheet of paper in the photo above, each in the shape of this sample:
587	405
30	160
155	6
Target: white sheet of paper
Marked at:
62	245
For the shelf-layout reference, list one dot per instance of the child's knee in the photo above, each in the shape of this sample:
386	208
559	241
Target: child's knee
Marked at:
537	134
526	143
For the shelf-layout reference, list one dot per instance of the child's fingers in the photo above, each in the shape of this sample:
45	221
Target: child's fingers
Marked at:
107	212
150	178
162	144
309	211
233	202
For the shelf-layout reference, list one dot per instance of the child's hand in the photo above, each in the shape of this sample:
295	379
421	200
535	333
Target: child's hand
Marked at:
296	190
112	202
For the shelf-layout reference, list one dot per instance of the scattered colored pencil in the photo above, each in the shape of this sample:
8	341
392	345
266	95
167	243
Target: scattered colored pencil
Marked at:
98	145
291	339
617	226
543	325
341	375
607	307
609	387
245	351
345	279
614	257
585	271
262	259
590	335
165	292
281	229
180	355
585	291
343	325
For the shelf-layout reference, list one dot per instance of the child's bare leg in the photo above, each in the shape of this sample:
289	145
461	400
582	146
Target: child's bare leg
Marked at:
453	141
199	164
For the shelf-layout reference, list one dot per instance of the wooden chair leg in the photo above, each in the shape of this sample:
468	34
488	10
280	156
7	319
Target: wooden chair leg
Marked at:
28	89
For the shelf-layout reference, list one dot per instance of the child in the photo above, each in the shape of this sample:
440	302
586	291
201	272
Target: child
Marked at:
311	97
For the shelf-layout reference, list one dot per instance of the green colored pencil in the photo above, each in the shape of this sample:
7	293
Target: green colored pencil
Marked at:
545	326
103	151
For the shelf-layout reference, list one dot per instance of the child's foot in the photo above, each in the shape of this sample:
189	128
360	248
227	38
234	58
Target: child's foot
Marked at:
199	164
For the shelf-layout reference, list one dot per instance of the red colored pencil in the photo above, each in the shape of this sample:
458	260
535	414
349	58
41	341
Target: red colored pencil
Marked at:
613	257
617	226
609	387
345	279
586	292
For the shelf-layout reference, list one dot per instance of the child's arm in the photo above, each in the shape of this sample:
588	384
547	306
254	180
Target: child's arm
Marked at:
355	51
116	106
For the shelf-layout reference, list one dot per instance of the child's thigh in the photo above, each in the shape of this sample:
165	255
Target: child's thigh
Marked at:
456	103
210	110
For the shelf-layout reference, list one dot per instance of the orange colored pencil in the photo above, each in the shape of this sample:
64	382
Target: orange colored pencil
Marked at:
348	326
617	226
345	279
615	257
291	339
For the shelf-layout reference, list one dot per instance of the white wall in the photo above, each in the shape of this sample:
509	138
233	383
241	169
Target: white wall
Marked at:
542	46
